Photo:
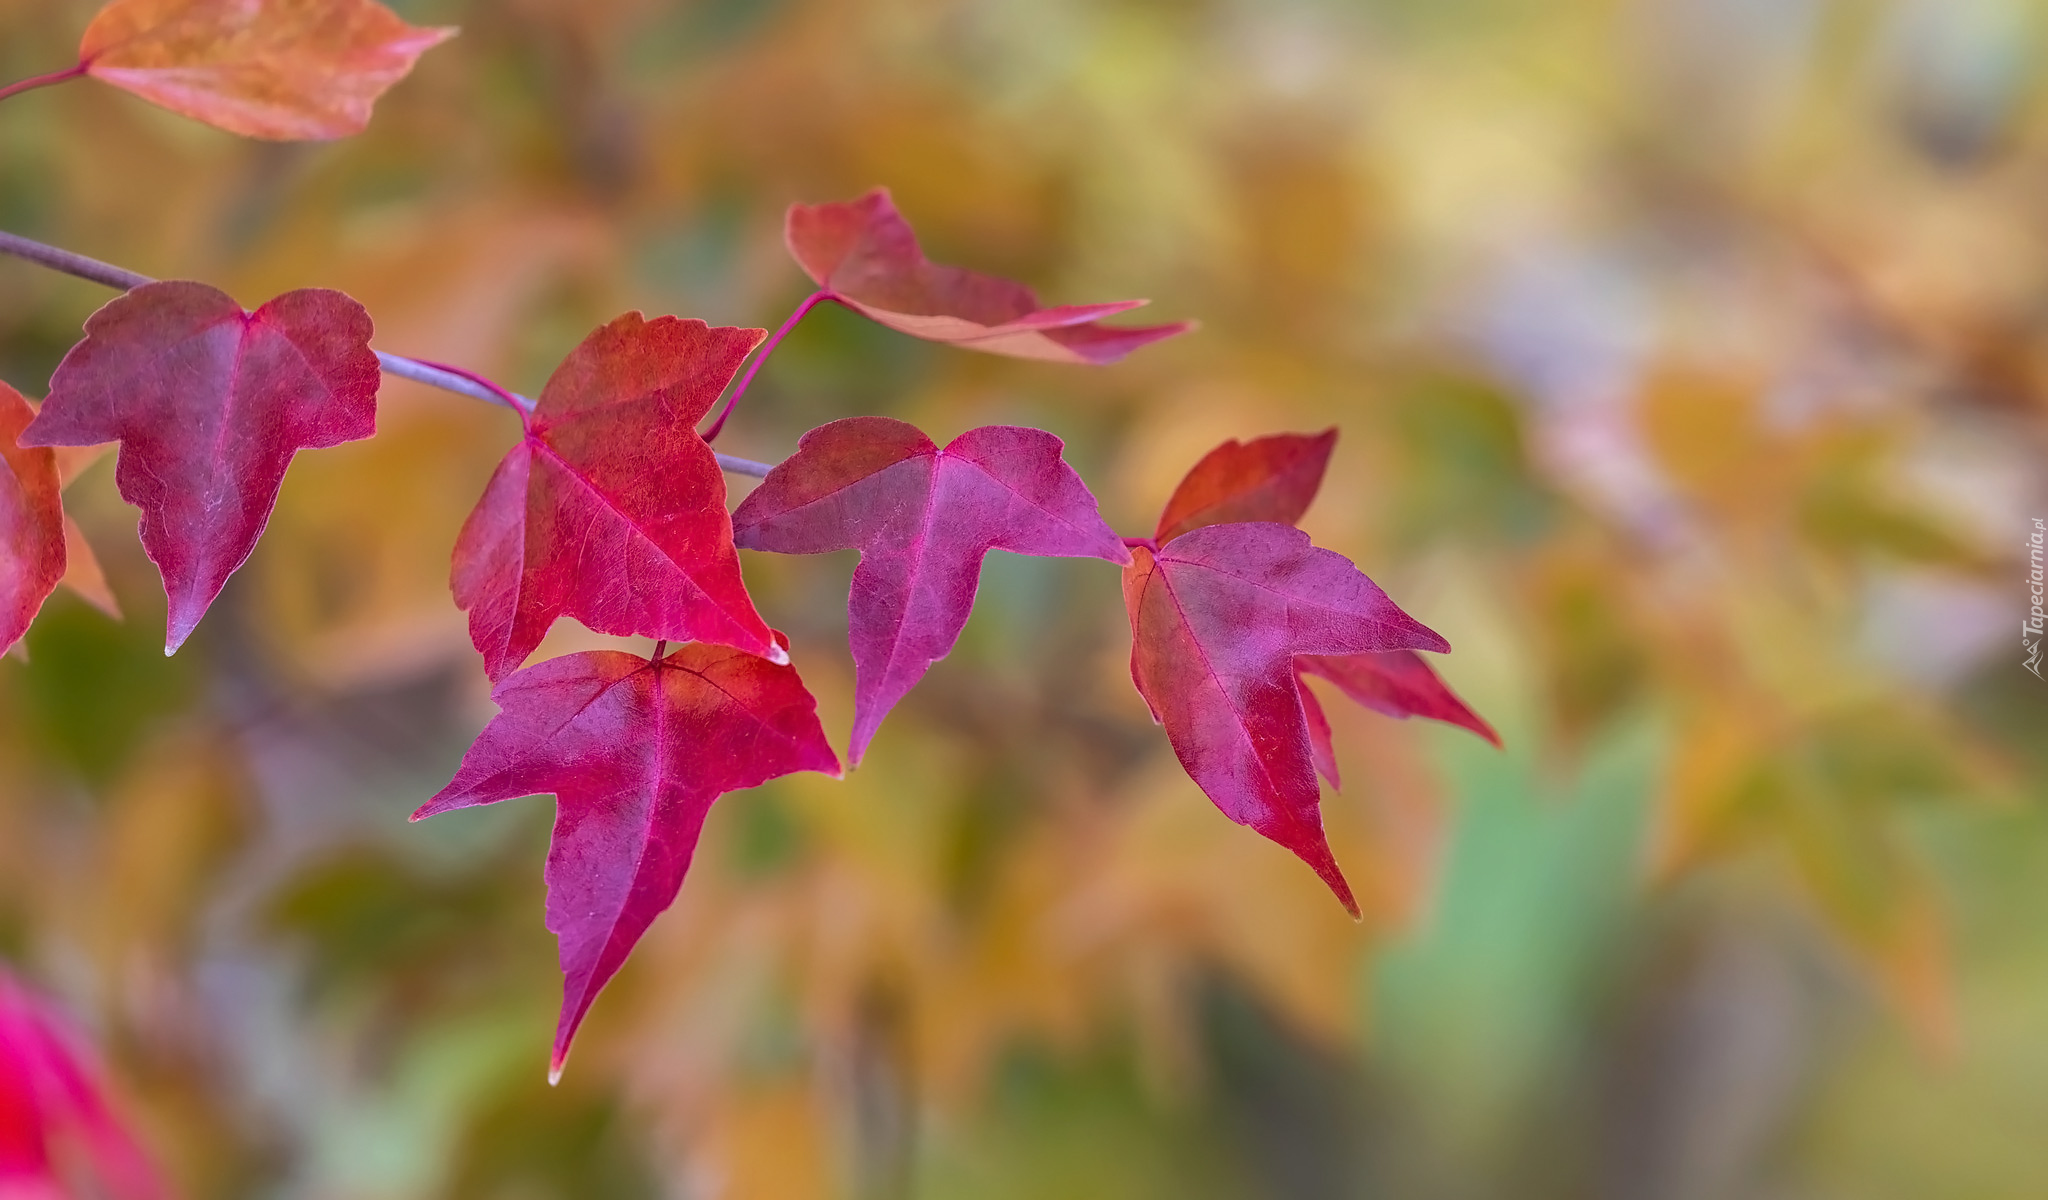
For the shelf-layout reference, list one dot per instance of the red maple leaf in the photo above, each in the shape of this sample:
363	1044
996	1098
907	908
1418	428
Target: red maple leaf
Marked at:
32	526
863	253
1275	478
209	404
54	1113
923	518
611	509
1228	604
635	752
1217	616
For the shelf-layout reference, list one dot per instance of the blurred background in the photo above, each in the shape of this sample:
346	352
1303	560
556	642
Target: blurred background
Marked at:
1691	358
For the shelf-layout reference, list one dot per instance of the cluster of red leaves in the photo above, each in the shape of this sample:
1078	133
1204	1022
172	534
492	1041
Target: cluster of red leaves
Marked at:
612	509
59	1136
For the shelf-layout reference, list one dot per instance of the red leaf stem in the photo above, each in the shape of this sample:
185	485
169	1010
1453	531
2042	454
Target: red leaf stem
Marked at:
36	81
512	400
761	356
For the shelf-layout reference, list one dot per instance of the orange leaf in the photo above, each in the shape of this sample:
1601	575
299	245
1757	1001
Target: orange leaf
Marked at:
73	461
82	572
291	70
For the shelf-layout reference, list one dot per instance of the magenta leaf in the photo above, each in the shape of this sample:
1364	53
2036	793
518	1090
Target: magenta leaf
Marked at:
864	254
209	404
55	1119
32	527
635	752
1223	605
1217	617
611	509
922	518
1398	683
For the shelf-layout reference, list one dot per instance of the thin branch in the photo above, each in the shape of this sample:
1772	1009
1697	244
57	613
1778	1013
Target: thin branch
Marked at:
106	274
760	356
462	383
743	466
35	81
441	375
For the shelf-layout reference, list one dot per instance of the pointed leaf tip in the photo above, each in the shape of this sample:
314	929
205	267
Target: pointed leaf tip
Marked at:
1341	888
179	632
1399	684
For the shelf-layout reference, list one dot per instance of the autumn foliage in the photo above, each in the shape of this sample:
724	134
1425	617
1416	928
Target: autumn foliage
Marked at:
1687	424
612	510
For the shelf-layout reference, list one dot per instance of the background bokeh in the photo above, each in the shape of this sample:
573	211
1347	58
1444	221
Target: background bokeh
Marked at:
1692	368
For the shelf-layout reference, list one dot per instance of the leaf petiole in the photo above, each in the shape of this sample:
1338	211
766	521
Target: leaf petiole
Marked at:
761	355
33	82
406	368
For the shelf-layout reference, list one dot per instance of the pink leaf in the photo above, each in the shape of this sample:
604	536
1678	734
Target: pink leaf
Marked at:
53	1109
1267	479
922	518
1217	616
864	253
611	509
32	524
635	752
209	404
1398	683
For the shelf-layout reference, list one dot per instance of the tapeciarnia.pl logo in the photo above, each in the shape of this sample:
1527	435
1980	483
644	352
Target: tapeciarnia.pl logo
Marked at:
2030	629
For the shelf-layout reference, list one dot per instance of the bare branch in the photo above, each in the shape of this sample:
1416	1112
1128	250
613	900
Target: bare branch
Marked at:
123	279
